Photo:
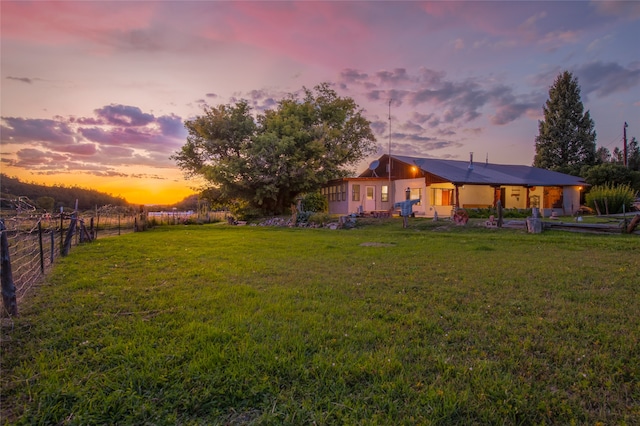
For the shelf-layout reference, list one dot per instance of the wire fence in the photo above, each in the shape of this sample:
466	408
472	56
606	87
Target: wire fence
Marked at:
31	243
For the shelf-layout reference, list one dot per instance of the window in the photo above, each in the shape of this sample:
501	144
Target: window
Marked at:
385	193
552	197
344	192
442	197
338	194
355	194
416	194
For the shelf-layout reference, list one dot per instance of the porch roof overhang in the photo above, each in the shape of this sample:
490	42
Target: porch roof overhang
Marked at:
467	173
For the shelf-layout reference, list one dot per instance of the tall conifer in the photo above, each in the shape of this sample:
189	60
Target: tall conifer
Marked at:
566	138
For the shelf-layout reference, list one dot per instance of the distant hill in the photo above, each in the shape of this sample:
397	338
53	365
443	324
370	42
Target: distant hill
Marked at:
54	197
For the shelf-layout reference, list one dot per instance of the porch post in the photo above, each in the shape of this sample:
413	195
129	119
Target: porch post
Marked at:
496	195
457	196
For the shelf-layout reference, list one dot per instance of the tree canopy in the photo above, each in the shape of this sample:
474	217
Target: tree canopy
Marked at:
608	174
611	169
269	159
566	138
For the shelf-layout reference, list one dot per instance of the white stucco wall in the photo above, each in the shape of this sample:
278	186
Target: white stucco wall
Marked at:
571	199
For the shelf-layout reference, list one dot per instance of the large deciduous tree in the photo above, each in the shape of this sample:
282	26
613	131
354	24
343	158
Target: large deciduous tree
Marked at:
566	138
269	159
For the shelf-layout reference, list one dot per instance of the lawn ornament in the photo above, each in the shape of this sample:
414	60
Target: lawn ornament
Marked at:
461	217
406	208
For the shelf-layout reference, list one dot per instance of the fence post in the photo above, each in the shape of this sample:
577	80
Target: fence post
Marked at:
53	242
41	247
6	276
70	232
61	231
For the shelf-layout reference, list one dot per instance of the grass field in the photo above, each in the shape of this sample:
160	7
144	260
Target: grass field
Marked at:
433	325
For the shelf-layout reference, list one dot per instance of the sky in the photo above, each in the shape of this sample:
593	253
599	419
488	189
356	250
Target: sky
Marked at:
95	93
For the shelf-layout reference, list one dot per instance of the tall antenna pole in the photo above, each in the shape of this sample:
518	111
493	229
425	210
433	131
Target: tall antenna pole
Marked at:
389	162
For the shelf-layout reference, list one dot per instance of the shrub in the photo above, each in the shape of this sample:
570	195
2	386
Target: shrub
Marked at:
506	213
314	202
319	218
610	199
242	210
303	217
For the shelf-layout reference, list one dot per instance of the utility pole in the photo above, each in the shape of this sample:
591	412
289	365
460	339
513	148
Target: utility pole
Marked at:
624	138
391	193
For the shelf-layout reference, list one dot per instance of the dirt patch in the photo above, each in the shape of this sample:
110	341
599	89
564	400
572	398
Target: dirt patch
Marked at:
372	244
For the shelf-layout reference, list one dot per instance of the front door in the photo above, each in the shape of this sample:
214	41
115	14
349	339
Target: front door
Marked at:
370	198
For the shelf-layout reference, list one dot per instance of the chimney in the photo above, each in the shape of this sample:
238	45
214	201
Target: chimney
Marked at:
471	161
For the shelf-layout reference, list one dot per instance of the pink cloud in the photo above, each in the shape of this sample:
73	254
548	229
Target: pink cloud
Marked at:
78	149
308	31
626	9
65	22
35	158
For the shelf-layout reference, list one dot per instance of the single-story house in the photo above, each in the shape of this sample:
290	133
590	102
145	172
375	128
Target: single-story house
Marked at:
445	185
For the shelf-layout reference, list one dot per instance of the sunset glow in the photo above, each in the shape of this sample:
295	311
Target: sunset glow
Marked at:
96	96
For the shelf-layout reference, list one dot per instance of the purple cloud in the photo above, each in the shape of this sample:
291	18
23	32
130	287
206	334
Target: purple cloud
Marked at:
350	75
19	130
172	126
118	135
38	159
123	115
78	149
21	79
446	101
398	75
606	78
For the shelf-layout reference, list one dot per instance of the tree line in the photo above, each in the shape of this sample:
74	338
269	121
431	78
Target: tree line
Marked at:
52	198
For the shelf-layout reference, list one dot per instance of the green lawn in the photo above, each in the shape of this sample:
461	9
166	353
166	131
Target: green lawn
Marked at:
433	324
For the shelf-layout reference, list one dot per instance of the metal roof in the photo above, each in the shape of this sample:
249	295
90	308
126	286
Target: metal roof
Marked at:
460	172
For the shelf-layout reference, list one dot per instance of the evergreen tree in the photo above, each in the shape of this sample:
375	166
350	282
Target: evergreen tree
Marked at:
633	155
566	138
603	155
617	157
